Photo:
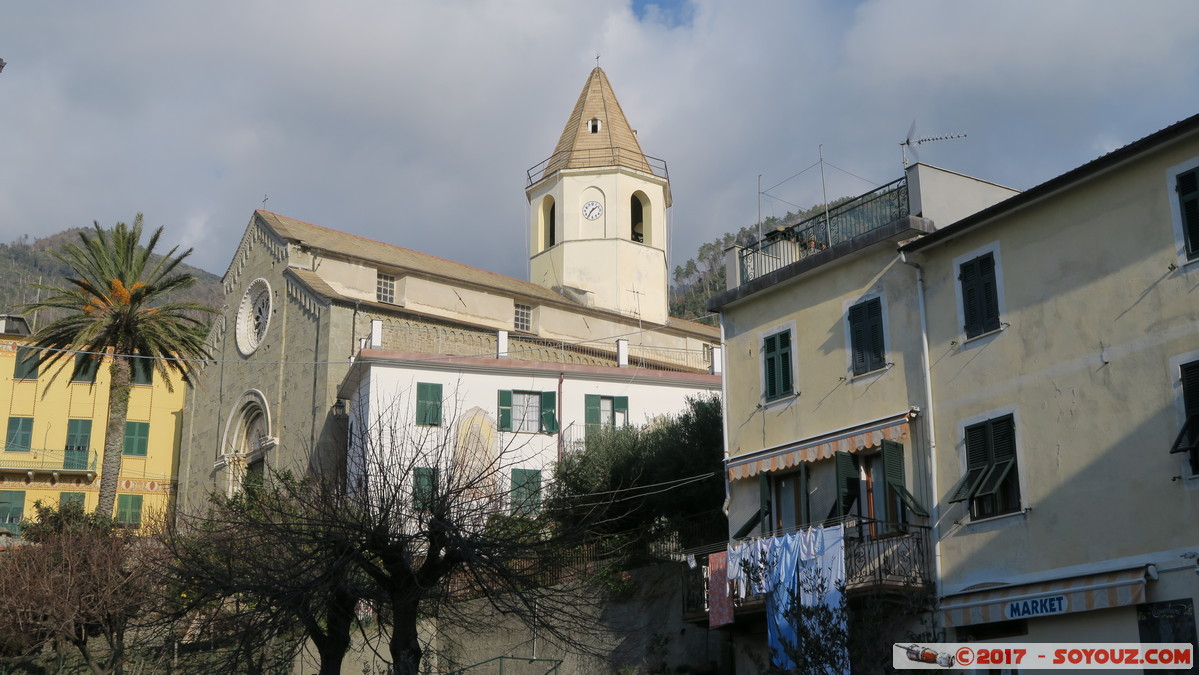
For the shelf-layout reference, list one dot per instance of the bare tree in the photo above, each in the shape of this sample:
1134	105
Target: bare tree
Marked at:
77	582
426	521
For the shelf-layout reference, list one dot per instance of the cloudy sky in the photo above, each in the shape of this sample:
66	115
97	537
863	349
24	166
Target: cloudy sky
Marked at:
414	121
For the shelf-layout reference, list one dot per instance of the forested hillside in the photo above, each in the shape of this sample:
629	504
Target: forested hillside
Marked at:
25	262
703	276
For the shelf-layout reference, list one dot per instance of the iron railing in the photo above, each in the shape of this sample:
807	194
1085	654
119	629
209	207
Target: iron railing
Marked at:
513	665
597	157
821	232
48	460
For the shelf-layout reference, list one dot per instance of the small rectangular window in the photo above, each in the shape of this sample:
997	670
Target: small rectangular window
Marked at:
385	288
424	487
523	320
65	498
129	510
428	404
980	295
526	492
86	366
600	412
137	439
866	336
26	366
12	508
991	484
141	371
776	364
20	434
528	411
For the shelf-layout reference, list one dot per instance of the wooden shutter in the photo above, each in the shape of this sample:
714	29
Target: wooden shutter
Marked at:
428	404
137	439
86	366
620	404
591	412
971	302
549	412
12	507
857	338
769	365
20	434
27	363
847	482
129	510
505	409
784	363
424	487
79	434
978	461
1187	186
989	293
893	472
1189	373
526	491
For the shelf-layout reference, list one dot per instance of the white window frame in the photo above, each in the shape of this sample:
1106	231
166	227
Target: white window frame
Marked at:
959	301
761	336
1180	241
517	308
529	400
388	281
1021	461
847	329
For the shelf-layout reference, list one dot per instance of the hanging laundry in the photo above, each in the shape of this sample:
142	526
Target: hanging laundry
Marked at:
720	604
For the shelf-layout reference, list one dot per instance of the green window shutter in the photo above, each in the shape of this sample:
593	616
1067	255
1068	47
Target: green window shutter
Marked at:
765	512
86	366
1189	373
847	483
776	355
866	336
989	293
12	508
620	404
1187	186
978	462
424	487
79	436
549	413
894	473
65	498
27	363
20	434
971	300
137	439
428	404
129	510
141	371
505	410
526	491
591	412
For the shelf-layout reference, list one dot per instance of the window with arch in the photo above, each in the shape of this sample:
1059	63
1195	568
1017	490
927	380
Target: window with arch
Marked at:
549	225
639	225
593	125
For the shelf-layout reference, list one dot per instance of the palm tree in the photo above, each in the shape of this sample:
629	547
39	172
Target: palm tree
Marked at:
117	303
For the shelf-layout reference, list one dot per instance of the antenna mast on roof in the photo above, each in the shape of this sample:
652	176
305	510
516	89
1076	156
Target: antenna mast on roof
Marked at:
910	143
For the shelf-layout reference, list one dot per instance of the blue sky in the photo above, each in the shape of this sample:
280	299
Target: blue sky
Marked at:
414	122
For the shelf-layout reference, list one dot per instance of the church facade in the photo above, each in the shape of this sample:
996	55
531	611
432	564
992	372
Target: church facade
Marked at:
321	326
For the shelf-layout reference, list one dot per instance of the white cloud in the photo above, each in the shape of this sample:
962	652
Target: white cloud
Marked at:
414	122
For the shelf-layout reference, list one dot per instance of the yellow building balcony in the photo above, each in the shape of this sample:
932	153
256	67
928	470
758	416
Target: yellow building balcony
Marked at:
56	463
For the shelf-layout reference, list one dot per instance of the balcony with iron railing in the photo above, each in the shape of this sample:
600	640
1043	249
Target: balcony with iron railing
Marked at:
829	234
58	463
879	556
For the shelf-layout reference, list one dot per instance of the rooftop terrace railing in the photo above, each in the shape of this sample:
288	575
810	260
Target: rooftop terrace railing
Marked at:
48	460
841	223
597	157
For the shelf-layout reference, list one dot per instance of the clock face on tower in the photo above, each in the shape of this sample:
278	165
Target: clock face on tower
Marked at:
593	210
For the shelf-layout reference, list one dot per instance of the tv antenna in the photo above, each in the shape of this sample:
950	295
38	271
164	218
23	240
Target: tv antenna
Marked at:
909	144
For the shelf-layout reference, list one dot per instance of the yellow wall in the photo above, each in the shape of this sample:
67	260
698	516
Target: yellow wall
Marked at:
52	400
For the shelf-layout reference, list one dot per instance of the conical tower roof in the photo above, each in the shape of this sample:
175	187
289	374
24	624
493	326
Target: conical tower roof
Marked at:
597	133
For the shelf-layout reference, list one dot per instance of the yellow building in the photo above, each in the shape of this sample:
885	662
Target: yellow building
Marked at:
55	419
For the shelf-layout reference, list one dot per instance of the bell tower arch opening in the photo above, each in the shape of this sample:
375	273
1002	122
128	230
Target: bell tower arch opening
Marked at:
640	229
549	222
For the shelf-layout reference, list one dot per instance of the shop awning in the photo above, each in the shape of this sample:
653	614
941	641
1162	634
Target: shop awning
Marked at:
1049	598
869	435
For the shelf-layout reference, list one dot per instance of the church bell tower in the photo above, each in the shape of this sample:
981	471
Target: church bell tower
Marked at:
597	212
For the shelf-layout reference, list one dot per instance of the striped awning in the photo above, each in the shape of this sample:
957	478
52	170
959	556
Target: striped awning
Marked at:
869	435
1049	598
